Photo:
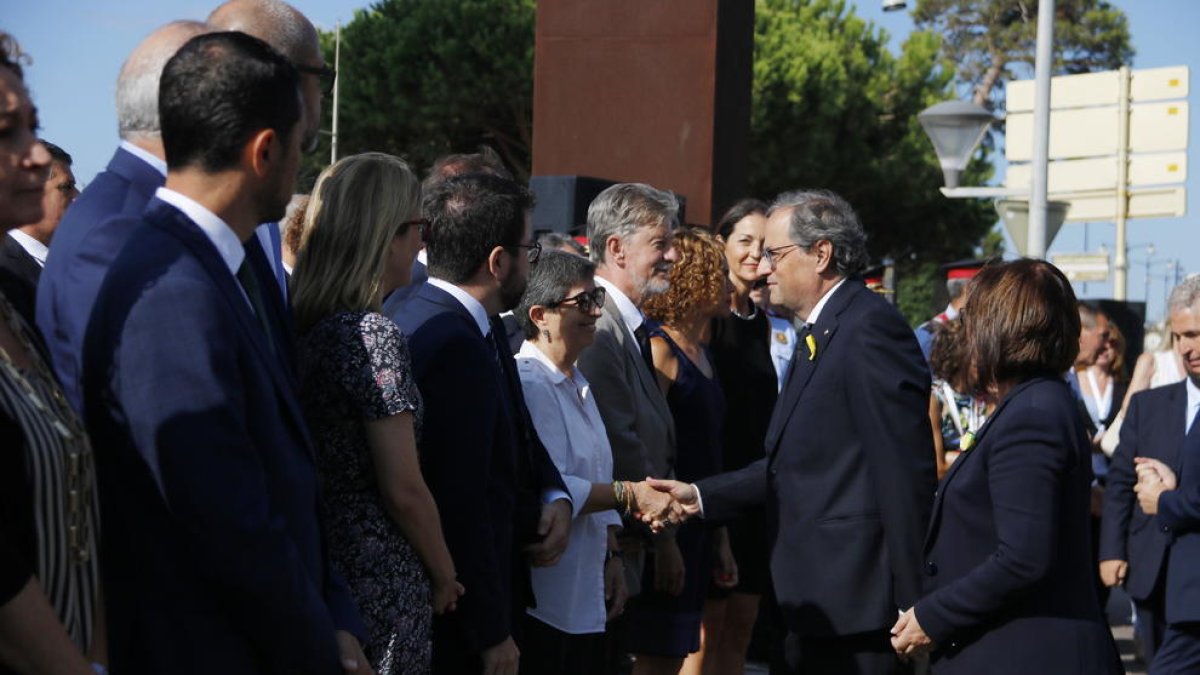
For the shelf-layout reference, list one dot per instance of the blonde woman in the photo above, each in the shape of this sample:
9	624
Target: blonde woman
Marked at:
361	233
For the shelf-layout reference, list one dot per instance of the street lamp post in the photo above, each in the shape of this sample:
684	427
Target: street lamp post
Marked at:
956	128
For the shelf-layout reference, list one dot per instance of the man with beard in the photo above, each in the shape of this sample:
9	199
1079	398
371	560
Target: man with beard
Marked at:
216	562
499	495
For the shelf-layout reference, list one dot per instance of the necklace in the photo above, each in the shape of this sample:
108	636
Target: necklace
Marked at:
77	496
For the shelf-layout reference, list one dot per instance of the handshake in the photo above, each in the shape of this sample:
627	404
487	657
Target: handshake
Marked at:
1154	478
660	504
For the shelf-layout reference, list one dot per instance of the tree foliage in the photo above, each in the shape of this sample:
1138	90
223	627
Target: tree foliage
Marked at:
990	39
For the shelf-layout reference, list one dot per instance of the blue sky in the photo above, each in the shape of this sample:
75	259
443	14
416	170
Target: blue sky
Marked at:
77	49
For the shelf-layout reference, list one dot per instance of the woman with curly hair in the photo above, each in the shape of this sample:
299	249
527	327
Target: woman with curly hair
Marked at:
664	621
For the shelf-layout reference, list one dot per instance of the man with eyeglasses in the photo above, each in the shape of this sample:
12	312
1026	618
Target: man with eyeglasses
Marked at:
23	251
502	502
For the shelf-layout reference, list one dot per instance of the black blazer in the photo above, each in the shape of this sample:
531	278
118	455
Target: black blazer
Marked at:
1153	427
482	462
1179	517
214	555
19	274
849	474
1009	572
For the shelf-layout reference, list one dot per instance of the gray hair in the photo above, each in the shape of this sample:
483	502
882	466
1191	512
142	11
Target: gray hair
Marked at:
1089	314
822	215
549	281
137	84
956	287
275	22
557	241
1185	296
622	208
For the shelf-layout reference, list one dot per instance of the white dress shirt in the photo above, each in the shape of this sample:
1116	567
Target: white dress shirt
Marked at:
630	314
36	249
570	595
1193	404
218	231
144	155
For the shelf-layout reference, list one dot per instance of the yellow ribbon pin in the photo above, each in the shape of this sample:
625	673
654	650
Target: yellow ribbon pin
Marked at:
812	346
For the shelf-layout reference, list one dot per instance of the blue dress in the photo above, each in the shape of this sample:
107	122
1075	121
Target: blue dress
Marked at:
659	624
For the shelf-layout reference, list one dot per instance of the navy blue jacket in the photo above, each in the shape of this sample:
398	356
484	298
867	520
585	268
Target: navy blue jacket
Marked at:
849	474
88	238
1153	427
1179	518
482	462
1009	571
214	558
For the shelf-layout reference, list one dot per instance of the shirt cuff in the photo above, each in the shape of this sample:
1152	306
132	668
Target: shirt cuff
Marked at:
550	495
699	499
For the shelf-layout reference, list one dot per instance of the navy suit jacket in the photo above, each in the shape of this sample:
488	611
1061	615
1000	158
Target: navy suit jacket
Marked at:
214	558
481	460
849	474
1179	517
93	231
19	274
1153	427
1009	571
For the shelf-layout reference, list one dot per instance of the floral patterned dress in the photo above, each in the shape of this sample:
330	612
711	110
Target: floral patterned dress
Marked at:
354	369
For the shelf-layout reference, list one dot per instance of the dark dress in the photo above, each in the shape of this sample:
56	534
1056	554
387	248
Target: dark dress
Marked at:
354	369
659	624
741	352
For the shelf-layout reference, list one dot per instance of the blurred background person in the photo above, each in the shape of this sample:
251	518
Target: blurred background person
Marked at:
293	228
557	241
361	235
955	411
1008	571
1103	384
49	583
664	621
741	353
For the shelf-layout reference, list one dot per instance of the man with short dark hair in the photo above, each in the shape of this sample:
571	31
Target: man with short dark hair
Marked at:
215	561
496	487
23	251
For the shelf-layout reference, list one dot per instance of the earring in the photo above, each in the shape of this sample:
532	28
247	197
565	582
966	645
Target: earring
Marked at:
546	334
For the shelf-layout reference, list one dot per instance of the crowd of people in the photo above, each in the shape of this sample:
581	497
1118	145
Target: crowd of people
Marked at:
388	428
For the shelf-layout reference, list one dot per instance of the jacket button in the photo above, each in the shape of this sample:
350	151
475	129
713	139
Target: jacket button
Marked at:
931	568
774	472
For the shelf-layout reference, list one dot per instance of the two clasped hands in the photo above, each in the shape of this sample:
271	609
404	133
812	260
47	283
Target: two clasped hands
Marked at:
1154	478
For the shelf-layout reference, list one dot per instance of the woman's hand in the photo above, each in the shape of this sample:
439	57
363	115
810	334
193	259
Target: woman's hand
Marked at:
668	566
725	569
615	591
446	594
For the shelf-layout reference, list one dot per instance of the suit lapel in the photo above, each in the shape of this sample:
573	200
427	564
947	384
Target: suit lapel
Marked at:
168	217
646	378
22	263
1177	404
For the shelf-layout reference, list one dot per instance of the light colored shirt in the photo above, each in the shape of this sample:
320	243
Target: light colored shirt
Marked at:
36	249
570	595
1193	404
816	310
158	164
631	316
222	236
270	238
783	345
473	306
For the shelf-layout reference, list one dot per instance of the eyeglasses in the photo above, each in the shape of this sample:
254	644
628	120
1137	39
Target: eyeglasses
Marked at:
585	301
774	255
325	75
533	251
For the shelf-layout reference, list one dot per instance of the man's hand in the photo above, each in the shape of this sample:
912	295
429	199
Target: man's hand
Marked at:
908	638
1112	572
501	659
554	528
351	653
615	591
685	498
1154	478
668	567
651	505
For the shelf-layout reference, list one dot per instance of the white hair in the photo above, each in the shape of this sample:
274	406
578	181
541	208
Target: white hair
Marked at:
137	84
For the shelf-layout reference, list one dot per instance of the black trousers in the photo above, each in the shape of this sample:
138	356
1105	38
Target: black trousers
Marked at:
1151	620
859	654
545	650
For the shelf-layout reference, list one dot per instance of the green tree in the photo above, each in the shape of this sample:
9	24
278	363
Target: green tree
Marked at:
989	39
834	108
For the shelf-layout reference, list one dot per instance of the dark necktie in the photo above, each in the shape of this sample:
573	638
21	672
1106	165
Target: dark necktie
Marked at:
643	341
245	275
799	352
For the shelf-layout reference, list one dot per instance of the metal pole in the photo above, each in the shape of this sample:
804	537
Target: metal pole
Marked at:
1041	128
1121	265
337	82
1149	259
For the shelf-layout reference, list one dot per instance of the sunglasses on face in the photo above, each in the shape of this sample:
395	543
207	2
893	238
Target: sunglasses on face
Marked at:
586	301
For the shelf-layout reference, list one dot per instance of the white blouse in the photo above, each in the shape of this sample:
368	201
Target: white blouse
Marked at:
570	595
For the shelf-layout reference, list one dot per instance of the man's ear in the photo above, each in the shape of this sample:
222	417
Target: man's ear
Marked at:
262	152
497	263
614	250
823	249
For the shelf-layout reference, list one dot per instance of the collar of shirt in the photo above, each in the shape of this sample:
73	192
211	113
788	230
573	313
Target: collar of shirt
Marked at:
630	314
951	313
158	164
474	307
816	310
422	257
218	231
530	352
32	246
1193	403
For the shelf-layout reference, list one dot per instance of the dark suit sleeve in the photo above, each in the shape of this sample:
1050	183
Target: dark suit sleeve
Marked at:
1179	509
1025	465
727	496
1119	498
179	384
891	414
601	364
457	442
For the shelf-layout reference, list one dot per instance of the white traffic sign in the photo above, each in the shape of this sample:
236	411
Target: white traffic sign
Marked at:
1099	89
1082	266
1169	202
1095	132
1101	173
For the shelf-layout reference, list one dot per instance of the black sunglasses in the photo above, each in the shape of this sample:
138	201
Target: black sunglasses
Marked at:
585	301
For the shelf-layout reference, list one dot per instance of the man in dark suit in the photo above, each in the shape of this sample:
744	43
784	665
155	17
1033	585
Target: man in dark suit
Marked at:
1132	550
216	562
496	488
848	479
1176	500
23	251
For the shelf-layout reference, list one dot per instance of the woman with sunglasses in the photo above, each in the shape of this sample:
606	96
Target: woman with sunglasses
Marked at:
361	234
558	312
